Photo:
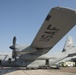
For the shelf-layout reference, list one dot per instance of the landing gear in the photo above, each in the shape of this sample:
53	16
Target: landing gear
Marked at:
0	62
9	60
47	62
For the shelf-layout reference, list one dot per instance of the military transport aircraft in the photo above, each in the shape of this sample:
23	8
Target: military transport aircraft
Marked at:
69	46
57	23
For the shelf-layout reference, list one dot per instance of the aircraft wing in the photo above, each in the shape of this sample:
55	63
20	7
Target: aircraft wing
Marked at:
57	23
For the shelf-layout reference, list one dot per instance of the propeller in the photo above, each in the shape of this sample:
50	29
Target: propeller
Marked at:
15	53
13	47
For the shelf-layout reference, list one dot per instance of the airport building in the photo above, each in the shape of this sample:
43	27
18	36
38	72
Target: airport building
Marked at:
68	62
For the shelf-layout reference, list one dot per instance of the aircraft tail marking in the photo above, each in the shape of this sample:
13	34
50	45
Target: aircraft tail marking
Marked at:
69	44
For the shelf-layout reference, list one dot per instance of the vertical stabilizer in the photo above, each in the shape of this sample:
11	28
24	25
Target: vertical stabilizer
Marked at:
69	44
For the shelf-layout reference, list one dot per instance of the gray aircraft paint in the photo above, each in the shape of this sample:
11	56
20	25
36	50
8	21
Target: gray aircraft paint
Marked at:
57	23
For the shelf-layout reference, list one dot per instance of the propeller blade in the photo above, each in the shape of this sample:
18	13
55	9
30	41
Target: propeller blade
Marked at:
14	41
13	47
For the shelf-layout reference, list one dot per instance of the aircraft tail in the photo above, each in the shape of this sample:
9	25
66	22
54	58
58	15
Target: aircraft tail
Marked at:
69	45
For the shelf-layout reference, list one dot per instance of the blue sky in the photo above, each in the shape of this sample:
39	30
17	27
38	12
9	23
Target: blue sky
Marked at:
23	18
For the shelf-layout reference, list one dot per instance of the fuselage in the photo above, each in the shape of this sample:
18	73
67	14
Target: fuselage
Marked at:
32	60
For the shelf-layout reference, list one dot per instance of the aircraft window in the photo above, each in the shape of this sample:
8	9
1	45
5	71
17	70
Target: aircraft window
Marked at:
48	17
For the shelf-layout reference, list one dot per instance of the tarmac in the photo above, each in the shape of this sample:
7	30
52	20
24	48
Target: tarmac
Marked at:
22	71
